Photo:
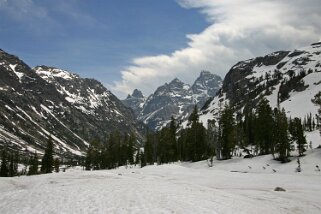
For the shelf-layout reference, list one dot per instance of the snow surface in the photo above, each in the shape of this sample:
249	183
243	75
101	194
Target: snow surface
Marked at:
227	187
19	74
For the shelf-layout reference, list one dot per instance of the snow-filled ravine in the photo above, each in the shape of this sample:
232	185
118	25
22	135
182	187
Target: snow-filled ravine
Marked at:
234	186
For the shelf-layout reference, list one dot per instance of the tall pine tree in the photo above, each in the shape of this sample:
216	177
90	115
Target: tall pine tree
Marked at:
47	159
227	137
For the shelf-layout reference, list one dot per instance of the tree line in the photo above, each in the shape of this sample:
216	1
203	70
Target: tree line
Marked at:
117	150
10	161
260	132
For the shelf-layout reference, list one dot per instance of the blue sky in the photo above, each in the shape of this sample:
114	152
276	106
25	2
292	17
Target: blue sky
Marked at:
95	38
128	44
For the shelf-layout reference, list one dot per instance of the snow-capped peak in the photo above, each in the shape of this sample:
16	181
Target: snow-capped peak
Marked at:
52	72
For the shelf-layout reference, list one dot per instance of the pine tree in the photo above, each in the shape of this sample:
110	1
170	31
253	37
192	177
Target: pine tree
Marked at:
264	127
33	165
47	160
281	137
172	140
13	165
56	164
89	157
227	137
4	171
248	126
148	149
297	133
142	160
317	100
130	149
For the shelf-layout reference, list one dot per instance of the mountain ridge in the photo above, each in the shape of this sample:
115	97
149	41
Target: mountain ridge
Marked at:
174	99
47	102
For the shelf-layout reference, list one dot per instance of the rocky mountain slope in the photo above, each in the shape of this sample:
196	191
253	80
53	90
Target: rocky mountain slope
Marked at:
44	102
175	99
288	79
135	101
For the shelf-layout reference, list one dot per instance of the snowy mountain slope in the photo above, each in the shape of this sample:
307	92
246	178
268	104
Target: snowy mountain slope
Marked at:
48	102
175	99
290	79
228	187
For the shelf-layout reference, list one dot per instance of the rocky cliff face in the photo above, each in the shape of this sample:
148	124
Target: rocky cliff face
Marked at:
289	79
175	99
48	102
135	101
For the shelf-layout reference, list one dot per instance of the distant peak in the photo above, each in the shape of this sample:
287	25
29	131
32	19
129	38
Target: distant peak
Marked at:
176	80
137	94
203	73
44	67
44	70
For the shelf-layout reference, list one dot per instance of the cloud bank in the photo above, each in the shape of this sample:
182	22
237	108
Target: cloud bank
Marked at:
237	30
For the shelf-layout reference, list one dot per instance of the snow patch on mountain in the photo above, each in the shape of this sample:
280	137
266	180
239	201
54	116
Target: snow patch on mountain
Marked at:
250	80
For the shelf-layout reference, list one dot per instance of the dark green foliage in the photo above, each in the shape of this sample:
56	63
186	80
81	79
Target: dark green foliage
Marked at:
248	126
317	101
9	163
117	151
264	127
33	165
280	136
149	148
13	165
295	83
142	160
227	133
4	169
297	133
47	159
193	143
56	164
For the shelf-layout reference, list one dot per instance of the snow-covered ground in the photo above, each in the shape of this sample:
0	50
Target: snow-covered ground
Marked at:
234	186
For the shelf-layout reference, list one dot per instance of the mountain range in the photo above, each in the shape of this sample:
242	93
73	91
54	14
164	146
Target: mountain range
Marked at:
46	102
42	103
175	99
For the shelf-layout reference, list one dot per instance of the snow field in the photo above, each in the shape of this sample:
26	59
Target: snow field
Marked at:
227	187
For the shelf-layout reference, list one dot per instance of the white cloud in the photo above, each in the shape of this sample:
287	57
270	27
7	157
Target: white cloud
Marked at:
238	30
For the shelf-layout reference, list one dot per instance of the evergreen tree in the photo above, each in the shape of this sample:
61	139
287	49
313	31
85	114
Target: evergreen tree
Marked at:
212	133
4	171
248	127
281	137
47	160
264	127
130	149
33	165
172	140
142	160
296	130
148	149
89	158
56	164
317	100
13	165
227	137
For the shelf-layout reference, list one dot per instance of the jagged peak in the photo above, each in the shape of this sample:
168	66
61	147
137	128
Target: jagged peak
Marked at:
137	94
175	81
204	72
50	71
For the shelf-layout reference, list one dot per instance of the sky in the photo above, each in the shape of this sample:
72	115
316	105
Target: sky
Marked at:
128	44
